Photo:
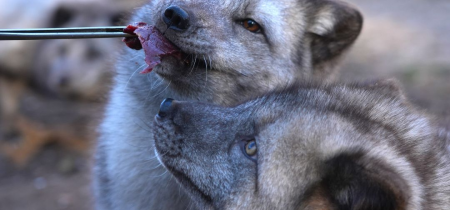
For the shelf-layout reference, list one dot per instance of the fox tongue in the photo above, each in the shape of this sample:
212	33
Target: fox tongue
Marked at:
155	45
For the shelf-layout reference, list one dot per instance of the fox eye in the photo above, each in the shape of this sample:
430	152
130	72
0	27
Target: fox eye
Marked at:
251	25
249	149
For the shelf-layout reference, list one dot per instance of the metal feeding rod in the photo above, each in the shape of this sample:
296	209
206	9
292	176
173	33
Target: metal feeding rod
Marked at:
63	33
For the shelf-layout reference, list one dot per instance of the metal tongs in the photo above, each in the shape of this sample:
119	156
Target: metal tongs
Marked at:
63	33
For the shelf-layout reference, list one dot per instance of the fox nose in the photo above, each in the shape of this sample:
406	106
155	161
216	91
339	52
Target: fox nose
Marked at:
176	18
165	108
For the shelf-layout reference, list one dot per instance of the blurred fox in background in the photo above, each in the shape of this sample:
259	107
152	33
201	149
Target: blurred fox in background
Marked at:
52	90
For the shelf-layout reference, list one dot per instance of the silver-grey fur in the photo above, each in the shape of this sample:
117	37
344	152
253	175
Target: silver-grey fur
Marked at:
334	147
298	36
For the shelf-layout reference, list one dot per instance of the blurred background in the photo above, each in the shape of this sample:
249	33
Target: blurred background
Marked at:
52	92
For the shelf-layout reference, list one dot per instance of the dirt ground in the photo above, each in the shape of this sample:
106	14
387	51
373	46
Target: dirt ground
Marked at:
56	179
405	39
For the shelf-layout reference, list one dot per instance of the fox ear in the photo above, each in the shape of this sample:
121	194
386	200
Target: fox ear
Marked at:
334	27
61	16
353	182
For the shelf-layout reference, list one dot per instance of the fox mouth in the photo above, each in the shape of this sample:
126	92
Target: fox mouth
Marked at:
170	161
174	68
188	184
198	61
157	47
191	60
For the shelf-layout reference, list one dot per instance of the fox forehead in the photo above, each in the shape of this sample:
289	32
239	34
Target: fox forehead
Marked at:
277	18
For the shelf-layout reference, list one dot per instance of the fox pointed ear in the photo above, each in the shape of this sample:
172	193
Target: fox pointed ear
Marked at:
333	28
352	182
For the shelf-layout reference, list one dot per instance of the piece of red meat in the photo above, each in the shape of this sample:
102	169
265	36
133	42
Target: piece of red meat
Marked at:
155	45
